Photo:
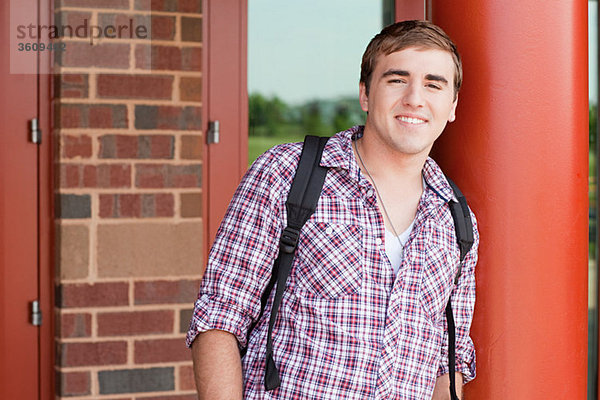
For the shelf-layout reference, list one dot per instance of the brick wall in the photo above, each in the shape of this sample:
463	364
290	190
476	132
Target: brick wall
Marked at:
128	188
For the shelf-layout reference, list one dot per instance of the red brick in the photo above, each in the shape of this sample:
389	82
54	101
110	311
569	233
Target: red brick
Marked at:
94	3
92	176
103	55
168	176
185	176
168	117
186	6
135	86
150	176
164	205
191	29
77	79
92	116
69	116
163	28
191	205
97	353
161	350
165	292
77	146
126	26
93	295
161	146
146	205
118	146
89	173
191	147
71	86
75	325
114	175
186	378
71	20
135	323
100	117
191	59
74	384
69	176
158	57
130	205
107	206
190	89
190	6
126	146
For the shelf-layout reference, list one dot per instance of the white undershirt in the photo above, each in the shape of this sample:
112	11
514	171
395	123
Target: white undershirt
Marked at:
395	250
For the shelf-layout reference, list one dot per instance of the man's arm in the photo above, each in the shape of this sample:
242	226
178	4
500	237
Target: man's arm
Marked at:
217	366
442	387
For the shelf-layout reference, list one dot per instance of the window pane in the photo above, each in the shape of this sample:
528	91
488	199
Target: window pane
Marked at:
304	66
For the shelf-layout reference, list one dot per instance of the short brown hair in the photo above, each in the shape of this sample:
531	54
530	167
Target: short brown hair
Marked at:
401	35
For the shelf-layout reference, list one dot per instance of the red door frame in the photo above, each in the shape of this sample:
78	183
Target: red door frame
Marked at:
26	235
225	91
46	214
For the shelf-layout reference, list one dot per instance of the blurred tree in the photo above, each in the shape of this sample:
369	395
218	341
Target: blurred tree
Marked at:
312	119
342	119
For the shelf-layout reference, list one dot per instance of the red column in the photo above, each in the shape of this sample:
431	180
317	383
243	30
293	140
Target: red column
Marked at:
519	151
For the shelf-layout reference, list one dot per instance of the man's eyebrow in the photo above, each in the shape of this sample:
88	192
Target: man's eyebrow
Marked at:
398	72
437	78
401	72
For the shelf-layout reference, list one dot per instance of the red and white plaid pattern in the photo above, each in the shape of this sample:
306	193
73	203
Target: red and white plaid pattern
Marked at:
347	328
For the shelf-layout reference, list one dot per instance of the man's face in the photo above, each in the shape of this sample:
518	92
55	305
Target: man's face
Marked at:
410	100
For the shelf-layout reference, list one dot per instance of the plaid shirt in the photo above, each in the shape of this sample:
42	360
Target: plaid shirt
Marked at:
347	327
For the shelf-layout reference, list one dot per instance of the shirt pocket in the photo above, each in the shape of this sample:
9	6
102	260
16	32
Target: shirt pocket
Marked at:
437	282
329	259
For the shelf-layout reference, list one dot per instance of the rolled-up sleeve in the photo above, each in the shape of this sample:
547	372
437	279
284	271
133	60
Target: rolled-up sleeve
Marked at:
240	260
463	304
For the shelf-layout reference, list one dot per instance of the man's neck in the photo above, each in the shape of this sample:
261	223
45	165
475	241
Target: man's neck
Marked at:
385	164
398	181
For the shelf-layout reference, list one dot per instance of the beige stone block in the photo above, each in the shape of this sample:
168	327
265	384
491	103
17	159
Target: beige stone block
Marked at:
73	251
191	205
149	249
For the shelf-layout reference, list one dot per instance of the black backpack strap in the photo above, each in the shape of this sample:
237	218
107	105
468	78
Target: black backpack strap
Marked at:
300	205
464	236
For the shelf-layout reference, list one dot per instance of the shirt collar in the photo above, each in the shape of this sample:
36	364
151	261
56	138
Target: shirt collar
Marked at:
338	153
436	181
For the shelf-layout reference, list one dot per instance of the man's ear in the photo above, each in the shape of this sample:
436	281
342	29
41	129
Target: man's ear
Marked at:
452	116
362	97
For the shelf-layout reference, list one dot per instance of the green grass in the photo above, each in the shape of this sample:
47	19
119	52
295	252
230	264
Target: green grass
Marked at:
259	144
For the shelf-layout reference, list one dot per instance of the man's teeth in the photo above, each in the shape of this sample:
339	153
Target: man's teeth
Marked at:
411	120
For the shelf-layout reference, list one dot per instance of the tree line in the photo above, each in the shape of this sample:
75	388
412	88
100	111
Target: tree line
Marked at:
273	117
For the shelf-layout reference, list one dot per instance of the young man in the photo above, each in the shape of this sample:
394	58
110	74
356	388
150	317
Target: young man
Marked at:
362	315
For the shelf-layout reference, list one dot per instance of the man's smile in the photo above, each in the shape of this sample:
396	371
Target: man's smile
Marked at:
411	119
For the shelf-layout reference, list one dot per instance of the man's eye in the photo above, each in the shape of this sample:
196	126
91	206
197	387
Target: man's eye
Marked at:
434	86
396	81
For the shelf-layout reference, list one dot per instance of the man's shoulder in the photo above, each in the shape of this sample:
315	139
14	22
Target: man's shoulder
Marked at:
283	158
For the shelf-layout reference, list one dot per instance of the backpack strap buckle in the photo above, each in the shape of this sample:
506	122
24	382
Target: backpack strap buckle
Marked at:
289	240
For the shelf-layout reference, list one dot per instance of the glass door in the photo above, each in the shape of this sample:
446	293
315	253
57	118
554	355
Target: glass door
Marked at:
304	66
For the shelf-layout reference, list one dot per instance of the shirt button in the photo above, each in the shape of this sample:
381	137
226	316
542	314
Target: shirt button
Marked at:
329	230
370	193
378	241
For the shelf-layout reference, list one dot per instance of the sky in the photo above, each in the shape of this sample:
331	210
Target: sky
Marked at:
301	50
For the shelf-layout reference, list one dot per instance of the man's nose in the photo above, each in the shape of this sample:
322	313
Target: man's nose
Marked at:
413	95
